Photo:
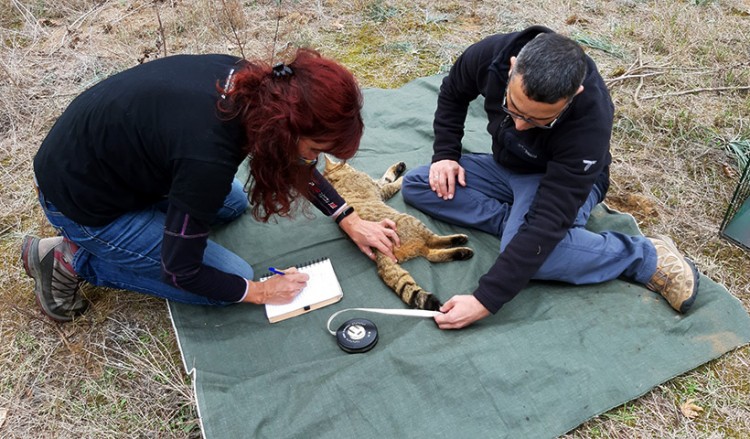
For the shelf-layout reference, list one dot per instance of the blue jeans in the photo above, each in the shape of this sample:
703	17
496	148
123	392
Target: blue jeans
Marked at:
496	200
126	253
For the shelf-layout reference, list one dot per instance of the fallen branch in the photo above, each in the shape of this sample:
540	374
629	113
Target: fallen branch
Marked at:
637	71
697	90
235	21
625	77
161	30
276	32
640	80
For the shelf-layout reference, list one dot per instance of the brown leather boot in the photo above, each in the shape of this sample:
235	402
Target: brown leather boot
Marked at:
676	277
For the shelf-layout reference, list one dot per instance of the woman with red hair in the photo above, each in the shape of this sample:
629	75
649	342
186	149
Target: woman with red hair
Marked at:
139	167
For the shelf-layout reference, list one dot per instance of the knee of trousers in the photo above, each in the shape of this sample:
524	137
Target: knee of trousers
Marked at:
415	185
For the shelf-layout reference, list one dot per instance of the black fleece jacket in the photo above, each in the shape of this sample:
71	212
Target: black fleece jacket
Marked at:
573	155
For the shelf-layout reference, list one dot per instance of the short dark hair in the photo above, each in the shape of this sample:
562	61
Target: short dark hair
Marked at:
553	67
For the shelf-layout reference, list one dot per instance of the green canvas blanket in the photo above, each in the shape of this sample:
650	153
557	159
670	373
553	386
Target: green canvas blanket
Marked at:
552	358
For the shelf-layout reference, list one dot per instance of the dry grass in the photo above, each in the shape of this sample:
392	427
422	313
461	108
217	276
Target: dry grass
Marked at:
678	72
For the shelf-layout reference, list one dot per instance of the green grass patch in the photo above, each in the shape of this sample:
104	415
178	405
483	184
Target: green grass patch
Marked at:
625	414
600	43
739	148
378	11
387	63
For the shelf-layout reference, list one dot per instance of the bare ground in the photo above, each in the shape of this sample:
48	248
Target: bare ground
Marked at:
678	72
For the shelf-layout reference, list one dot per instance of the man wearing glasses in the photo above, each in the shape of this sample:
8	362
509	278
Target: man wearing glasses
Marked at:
550	117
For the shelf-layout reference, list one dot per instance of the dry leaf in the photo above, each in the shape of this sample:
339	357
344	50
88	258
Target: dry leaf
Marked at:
3	415
575	19
690	410
46	22
728	171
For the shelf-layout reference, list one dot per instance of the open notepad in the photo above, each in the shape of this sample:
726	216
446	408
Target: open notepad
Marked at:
322	289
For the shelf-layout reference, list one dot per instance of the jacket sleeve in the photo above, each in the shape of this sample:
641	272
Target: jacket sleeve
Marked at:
322	195
182	249
464	83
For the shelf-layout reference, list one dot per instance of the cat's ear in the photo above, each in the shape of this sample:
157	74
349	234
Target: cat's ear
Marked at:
329	163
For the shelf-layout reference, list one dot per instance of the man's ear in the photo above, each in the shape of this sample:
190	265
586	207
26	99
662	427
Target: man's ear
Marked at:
580	90
512	63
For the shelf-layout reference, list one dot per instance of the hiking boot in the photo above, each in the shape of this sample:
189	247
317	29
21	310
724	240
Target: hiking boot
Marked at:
48	262
676	277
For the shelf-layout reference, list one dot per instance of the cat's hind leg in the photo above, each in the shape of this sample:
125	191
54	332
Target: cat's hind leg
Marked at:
449	254
403	284
437	241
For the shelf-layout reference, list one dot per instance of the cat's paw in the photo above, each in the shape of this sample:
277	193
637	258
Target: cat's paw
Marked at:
432	303
462	253
459	240
399	168
394	172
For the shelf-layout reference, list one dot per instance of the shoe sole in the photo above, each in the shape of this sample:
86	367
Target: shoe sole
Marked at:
697	276
686	304
29	250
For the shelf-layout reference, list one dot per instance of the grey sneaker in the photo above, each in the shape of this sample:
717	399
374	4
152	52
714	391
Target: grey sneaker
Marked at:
48	262
676	277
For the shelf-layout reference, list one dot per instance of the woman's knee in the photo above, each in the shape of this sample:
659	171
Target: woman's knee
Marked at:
226	260
235	203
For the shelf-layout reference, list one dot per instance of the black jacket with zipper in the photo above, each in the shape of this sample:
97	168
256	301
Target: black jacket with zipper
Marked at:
573	155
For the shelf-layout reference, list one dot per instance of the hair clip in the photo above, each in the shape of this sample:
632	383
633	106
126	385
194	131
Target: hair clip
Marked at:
281	70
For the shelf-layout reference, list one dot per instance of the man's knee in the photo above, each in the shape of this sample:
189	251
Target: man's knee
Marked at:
414	184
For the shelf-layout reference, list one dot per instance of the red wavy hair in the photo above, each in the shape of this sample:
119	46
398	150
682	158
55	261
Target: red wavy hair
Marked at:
320	100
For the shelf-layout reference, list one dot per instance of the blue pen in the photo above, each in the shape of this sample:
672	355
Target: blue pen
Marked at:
276	271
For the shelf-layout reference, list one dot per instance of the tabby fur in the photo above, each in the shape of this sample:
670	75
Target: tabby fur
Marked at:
367	196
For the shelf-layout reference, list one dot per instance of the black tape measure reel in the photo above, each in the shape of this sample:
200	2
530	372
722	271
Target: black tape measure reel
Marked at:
357	336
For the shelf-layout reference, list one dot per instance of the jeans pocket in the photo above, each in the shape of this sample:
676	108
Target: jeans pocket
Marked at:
54	215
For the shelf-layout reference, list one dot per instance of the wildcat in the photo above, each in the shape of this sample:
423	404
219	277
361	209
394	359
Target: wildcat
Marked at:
368	196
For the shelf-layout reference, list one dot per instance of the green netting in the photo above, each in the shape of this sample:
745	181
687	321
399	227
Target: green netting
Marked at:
736	224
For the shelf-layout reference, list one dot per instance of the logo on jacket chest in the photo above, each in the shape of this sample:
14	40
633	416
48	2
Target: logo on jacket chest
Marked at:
588	164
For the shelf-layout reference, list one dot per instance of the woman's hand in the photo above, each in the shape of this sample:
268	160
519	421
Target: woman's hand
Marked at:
369	235
460	311
278	289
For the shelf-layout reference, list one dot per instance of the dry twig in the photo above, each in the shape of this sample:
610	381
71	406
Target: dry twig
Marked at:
637	72
8	74
697	90
276	32
235	17
161	30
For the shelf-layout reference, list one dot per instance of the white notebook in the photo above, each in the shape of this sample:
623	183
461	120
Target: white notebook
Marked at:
322	289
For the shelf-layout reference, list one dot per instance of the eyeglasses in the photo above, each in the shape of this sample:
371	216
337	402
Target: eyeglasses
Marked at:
307	162
532	122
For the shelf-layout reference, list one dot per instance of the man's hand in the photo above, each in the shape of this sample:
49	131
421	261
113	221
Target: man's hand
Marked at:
443	176
460	311
277	290
368	235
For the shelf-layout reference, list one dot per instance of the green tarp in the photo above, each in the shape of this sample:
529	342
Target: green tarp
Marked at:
552	358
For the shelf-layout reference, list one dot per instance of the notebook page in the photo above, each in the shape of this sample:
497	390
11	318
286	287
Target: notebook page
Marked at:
323	285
